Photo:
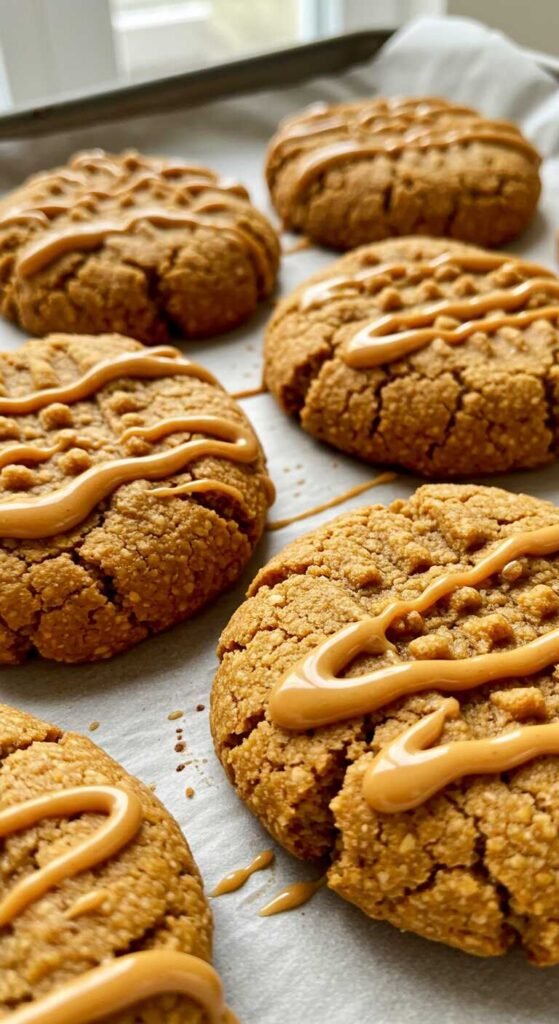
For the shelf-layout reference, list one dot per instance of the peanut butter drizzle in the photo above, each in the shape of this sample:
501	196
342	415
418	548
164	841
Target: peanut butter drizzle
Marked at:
336	287
161	361
87	903
83	236
249	392
125	817
235	879
202	486
314	162
372	346
54	513
121	983
384	478
124	981
17	453
291	897
32	216
409	770
312	694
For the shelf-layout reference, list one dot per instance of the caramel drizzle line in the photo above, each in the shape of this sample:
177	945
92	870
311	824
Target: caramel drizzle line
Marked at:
17	453
321	122
125	817
335	287
85	236
235	879
315	162
291	897
312	694
384	478
408	771
162	361
125	981
57	512
383	341
249	392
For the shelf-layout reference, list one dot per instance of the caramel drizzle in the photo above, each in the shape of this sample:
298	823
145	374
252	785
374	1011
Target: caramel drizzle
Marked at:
161	361
312	693
384	478
54	513
482	262
376	117
409	770
391	141
124	819
124	981
90	235
235	879
386	338
291	897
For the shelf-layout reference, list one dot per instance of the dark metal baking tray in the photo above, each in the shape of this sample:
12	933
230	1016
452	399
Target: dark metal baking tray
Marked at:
264	71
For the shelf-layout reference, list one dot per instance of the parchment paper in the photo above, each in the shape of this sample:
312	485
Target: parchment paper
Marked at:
326	962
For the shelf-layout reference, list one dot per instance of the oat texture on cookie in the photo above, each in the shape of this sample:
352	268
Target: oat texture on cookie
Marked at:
140	245
132	904
475	864
359	172
428	354
133	491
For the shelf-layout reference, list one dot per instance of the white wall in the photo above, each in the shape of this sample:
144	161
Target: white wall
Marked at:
533	23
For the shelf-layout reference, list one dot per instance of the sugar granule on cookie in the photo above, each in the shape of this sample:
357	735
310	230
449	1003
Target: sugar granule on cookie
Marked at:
359	172
388	699
90	850
139	245
161	516
428	354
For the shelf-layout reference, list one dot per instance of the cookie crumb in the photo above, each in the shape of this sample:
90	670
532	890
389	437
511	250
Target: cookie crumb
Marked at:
200	707
521	702
189	792
180	767
173	715
179	747
93	726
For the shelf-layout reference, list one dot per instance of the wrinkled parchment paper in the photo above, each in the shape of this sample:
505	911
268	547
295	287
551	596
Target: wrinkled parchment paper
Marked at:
327	961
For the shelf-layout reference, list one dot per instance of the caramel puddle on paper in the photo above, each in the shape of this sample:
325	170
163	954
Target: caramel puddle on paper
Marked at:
384	478
235	879
291	897
249	392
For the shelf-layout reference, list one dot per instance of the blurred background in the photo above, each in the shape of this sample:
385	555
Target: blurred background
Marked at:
51	48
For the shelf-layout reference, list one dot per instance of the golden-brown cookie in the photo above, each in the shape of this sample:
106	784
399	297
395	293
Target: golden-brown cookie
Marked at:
359	172
140	245
473	862
135	904
133	491
428	354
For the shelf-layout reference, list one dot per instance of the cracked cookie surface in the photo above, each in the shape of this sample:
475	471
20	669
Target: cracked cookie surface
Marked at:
354	173
137	562
475	866
152	893
485	403
178	251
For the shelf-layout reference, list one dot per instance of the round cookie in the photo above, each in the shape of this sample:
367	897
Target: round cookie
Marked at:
139	245
133	491
428	354
359	172
144	897
476	864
